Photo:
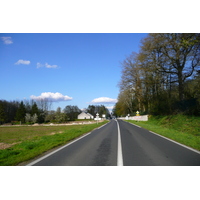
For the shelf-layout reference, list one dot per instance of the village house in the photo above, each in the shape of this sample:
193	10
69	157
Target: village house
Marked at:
84	115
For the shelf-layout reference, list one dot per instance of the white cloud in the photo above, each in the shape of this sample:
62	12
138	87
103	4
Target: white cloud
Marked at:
39	65
46	65
54	97
50	66
23	62
7	40
103	100
110	107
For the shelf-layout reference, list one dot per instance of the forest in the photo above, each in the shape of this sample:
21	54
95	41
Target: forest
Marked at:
163	78
30	112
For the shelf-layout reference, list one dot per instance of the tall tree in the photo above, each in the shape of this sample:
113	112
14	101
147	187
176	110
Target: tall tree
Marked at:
60	116
131	84
72	112
91	109
21	112
2	113
34	109
179	55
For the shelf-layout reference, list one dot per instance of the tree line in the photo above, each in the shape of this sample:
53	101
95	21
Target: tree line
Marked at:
30	112
163	78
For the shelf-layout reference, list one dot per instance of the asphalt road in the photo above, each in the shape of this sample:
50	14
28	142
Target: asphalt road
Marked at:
120	143
142	148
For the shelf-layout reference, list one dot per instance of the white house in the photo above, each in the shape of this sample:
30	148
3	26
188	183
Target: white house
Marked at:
84	115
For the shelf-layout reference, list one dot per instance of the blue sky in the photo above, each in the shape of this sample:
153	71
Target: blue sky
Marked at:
71	69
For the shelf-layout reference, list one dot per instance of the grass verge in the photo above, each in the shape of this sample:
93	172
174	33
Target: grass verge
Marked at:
180	128
33	141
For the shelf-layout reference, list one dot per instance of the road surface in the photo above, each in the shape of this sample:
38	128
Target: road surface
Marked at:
120	143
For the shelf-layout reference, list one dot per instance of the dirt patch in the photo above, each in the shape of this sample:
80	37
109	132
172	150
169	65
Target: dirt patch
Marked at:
36	124
5	146
53	133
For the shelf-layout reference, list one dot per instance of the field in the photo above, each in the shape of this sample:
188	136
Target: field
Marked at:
22	143
181	128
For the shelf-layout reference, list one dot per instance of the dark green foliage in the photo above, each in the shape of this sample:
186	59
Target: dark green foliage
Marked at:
8	110
92	110
2	113
100	109
21	112
34	109
72	112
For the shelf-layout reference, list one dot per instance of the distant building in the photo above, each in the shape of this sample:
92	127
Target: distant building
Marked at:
84	115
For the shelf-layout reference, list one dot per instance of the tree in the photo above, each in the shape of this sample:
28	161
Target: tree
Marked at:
44	104
28	118
91	109
8	110
2	113
72	112
50	116
192	95
34	118
131	84
179	55
34	109
21	112
59	116
102	110
156	87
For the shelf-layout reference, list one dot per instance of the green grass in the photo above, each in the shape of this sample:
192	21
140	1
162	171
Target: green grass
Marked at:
180	128
33	141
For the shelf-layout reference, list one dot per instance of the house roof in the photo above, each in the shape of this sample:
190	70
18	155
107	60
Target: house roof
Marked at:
86	114
89	114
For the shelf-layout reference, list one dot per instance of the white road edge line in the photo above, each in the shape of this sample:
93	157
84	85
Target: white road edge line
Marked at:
102	126
119	148
190	148
42	158
196	151
135	125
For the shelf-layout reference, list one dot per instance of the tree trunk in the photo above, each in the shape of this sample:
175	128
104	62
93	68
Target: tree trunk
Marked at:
180	85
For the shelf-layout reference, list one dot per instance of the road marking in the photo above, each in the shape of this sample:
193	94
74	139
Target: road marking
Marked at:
196	151
119	148
102	126
42	158
135	125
